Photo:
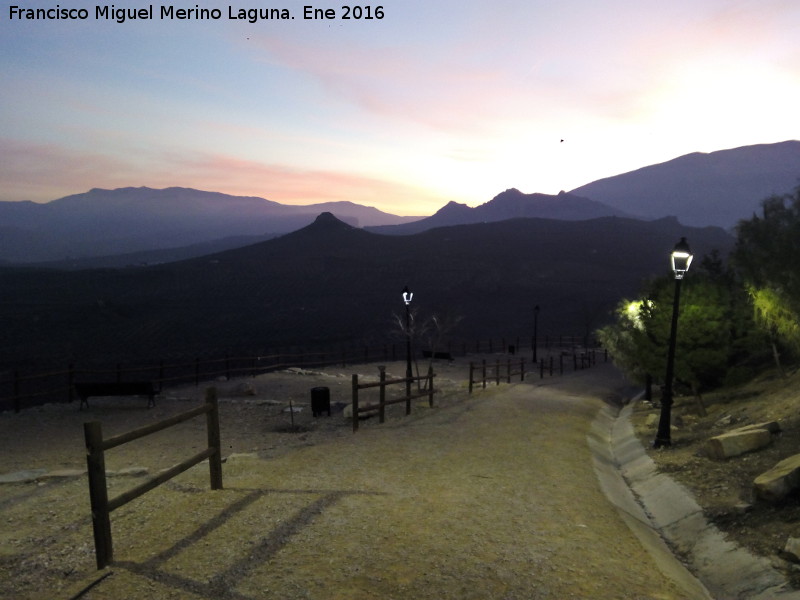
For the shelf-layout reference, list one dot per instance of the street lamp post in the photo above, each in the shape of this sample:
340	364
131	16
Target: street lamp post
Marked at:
535	331
681	258
407	296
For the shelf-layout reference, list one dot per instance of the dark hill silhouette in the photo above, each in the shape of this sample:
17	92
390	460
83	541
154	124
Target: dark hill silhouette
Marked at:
329	283
719	188
509	204
100	223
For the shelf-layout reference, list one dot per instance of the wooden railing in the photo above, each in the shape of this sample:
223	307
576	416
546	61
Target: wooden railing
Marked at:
487	371
96	447
495	372
18	389
359	409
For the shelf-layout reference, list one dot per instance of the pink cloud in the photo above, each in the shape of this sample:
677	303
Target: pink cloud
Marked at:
42	172
45	172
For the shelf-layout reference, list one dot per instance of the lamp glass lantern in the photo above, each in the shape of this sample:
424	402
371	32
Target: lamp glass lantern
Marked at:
407	295
681	258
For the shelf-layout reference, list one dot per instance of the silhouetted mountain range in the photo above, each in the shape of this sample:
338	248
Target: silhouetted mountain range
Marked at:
132	220
330	282
719	188
510	204
131	226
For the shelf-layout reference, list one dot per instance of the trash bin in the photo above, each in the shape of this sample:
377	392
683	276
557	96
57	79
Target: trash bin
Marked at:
320	400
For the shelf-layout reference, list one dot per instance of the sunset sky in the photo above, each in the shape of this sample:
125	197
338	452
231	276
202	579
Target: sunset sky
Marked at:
437	101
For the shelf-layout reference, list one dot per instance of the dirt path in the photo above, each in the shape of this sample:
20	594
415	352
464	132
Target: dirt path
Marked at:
485	496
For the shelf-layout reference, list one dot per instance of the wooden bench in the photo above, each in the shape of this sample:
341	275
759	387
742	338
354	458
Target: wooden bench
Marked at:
120	388
443	355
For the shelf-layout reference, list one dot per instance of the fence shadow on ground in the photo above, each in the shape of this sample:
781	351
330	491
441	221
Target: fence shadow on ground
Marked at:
223	583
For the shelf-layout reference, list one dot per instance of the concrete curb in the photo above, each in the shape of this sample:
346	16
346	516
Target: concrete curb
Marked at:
669	522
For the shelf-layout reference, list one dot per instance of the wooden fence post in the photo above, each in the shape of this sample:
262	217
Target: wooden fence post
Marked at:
497	372
382	401
509	371
471	375
522	369
98	494
483	362
541	368
212	425
355	402
430	386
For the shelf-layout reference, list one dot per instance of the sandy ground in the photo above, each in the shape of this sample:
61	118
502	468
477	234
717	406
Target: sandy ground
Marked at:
489	495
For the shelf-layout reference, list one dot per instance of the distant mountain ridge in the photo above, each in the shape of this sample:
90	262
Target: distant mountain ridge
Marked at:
130	220
718	188
509	204
128	226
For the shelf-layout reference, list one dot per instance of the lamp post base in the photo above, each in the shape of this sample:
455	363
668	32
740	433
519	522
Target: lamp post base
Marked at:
661	443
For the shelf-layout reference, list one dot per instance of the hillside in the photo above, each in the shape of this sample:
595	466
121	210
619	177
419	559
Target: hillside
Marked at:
329	283
718	188
510	204
101	223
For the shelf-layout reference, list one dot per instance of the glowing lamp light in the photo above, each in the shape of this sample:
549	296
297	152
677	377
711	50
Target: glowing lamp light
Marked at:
407	295
681	258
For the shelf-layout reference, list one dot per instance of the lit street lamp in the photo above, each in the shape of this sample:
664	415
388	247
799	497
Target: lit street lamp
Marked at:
407	296
681	258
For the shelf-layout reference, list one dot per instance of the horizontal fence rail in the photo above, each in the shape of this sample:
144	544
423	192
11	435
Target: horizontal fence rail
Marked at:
96	447
488	371
495	372
359	409
19	390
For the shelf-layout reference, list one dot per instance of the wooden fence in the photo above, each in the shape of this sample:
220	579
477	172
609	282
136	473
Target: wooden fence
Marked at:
95	460
18	389
494	372
358	409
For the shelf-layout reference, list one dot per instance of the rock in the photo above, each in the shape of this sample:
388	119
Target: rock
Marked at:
791	550
771	426
725	421
738	442
246	388
241	456
22	476
779	481
64	473
128	472
347	411
268	402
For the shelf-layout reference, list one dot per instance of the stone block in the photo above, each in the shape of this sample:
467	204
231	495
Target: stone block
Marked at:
780	481
738	442
771	426
791	550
